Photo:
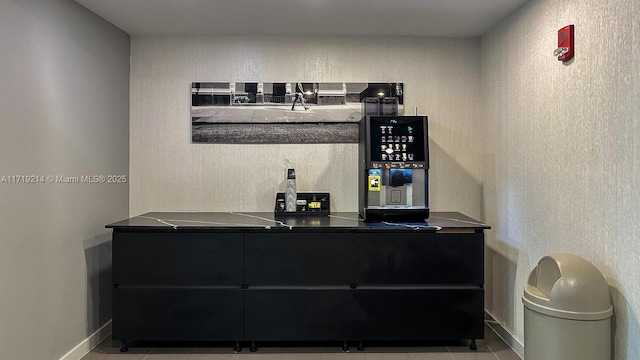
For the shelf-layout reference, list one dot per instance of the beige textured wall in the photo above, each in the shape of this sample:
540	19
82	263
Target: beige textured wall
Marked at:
561	161
168	173
64	109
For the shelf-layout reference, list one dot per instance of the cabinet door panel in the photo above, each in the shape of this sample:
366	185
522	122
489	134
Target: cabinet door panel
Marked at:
160	258
415	258
317	258
299	315
419	314
177	314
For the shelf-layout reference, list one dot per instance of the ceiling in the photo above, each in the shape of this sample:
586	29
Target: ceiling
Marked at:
460	18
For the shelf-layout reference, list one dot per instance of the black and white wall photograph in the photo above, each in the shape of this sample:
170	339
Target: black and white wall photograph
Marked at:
288	112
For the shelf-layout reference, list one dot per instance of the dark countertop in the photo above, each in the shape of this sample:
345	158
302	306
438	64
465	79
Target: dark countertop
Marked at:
263	220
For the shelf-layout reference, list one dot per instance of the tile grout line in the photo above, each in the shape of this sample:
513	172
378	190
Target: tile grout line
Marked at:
493	352
451	353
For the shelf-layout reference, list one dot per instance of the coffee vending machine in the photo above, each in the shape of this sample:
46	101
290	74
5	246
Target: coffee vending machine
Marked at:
394	168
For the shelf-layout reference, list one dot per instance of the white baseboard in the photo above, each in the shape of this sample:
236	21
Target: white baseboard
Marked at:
504	334
89	343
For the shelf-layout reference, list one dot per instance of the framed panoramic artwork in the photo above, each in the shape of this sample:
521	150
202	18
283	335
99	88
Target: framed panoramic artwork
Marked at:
288	112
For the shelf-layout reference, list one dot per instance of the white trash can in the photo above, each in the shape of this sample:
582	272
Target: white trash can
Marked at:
567	311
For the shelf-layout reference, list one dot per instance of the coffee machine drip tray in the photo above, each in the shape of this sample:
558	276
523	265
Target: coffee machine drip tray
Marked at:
396	213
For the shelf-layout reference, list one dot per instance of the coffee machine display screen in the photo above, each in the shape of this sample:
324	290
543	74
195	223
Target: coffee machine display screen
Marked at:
397	141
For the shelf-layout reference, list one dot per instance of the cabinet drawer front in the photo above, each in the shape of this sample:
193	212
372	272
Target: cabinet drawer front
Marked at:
419	259
293	315
419	314
158	258
177	314
299	259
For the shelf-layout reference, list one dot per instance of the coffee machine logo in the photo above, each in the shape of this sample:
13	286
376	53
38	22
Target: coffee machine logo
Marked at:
393	121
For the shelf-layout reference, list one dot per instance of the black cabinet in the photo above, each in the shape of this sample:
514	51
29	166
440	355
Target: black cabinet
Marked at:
177	314
419	258
299	314
329	279
299	281
299	258
418	314
177	258
418	286
177	286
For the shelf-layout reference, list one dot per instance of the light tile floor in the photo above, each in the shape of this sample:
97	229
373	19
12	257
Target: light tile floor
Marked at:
490	348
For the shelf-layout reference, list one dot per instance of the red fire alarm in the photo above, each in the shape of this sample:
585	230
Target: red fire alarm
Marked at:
564	52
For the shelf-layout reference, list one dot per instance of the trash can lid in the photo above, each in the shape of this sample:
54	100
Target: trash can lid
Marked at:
568	286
